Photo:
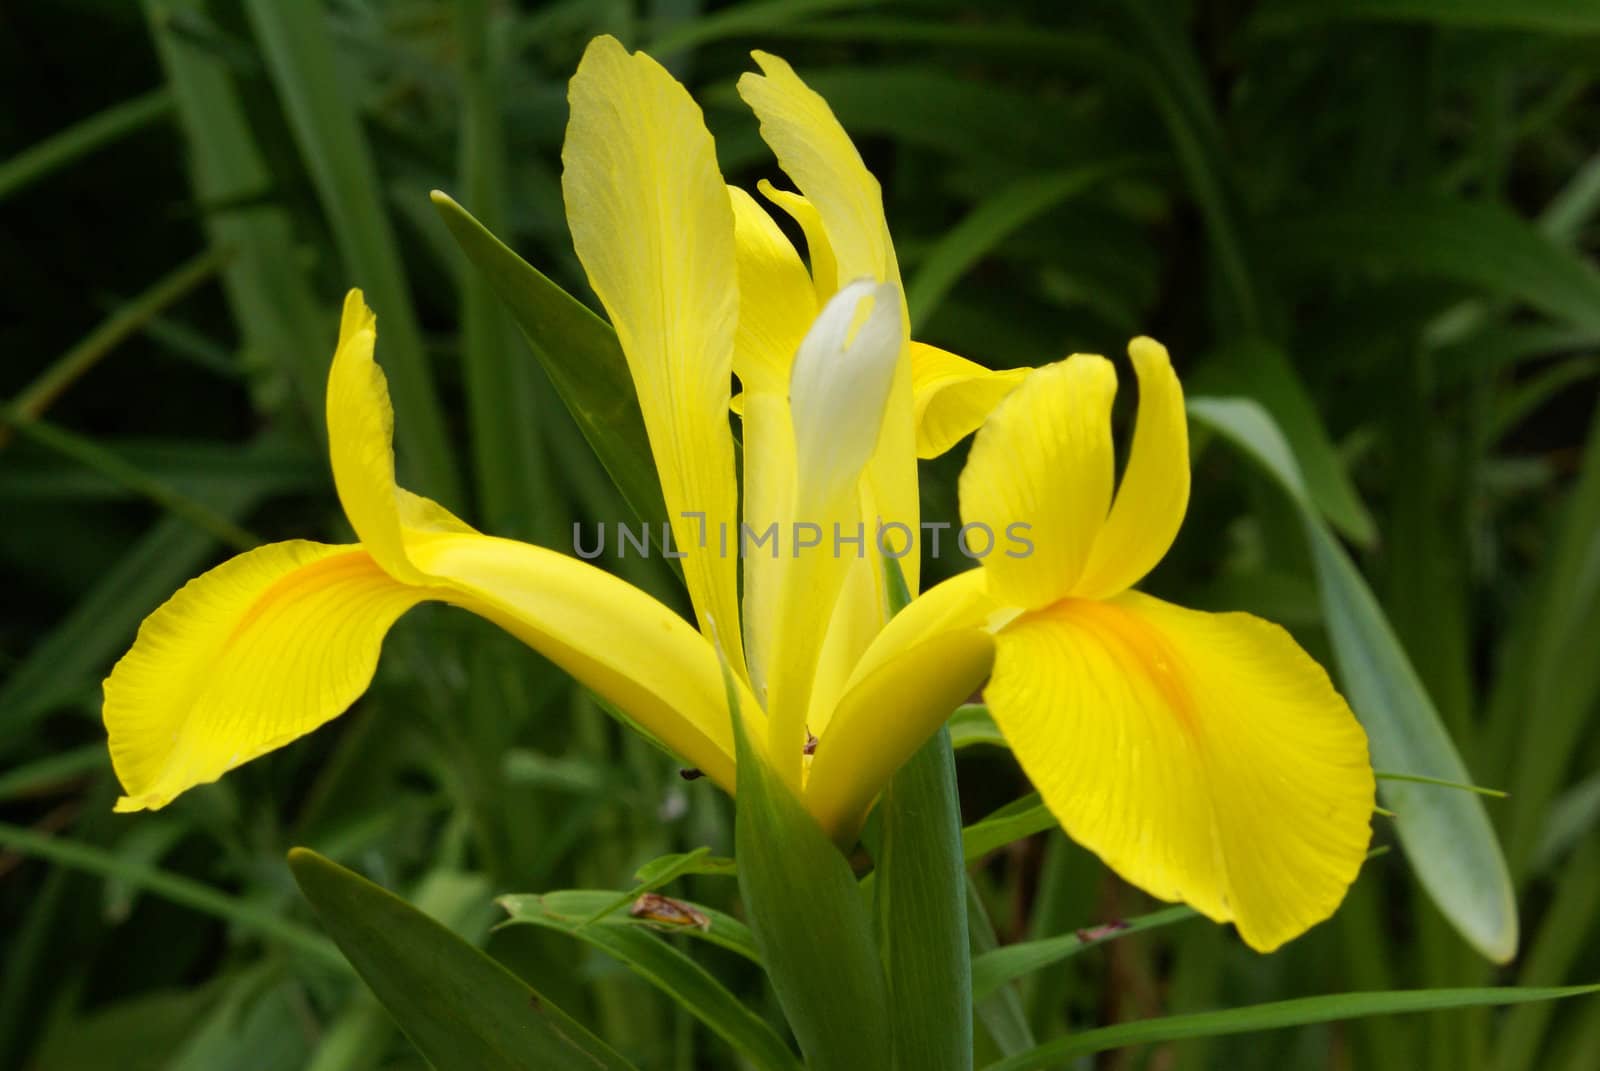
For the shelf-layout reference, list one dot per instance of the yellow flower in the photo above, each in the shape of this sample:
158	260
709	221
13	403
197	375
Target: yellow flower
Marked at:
1205	757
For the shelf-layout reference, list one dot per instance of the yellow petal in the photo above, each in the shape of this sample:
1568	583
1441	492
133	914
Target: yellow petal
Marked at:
1154	491
814	151
270	645
1205	757
917	669
838	393
819	252
652	224
1041	471
608	635
776	299
953	396
258	651
360	446
883	721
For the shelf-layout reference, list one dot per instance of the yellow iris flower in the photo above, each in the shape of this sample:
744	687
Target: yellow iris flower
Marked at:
1205	757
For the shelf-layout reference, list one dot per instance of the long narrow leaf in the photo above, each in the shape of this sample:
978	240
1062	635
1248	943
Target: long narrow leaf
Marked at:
461	1009
305	71
1445	832
1275	1016
580	353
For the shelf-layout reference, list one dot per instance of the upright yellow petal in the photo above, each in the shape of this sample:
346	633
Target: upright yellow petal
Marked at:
361	448
1040	471
953	396
819	251
776	307
652	224
814	151
776	301
838	392
1154	491
1205	757
258	651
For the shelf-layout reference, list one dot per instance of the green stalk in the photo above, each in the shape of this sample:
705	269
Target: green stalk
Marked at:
300	58
37	396
82	138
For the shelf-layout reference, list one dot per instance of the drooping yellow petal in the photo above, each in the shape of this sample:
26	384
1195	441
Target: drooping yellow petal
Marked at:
272	644
1041	469
1154	492
953	396
361	448
258	651
1205	757
608	635
814	151
652	224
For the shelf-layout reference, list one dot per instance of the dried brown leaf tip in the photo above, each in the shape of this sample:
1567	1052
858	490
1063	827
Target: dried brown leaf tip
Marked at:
666	911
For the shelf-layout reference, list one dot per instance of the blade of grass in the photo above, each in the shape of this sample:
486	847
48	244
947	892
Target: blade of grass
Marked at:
994	969
108	464
680	978
70	659
1274	1016
460	1008
1539	16
1446	835
262	921
65	370
86	136
300	58
990	223
744	20
512	471
266	282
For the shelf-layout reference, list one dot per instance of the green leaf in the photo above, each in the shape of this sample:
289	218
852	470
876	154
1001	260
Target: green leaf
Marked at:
300	57
920	901
1470	242
1550	16
517	493
994	969
665	870
82	138
580	353
72	657
180	890
570	909
1262	371
1017	819
971	724
461	1009
990	223
1446	834
670	971
809	921
266	283
1275	1016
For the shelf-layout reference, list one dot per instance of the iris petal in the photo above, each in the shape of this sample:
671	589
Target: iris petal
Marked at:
1205	757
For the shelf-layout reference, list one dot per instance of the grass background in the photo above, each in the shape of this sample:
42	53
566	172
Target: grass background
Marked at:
1377	219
